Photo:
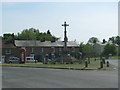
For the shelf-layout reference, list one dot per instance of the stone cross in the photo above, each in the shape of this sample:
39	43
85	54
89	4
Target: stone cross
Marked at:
65	36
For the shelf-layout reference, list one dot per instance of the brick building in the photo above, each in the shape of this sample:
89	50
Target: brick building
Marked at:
39	50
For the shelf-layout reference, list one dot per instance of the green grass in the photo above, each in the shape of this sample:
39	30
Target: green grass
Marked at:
92	65
115	57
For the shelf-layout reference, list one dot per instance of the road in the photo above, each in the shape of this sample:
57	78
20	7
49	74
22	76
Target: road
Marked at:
21	77
113	62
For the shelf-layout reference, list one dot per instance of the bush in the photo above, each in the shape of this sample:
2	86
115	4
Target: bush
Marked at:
61	63
53	61
67	63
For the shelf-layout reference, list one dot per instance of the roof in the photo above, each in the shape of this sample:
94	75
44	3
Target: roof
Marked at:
7	45
103	44
26	43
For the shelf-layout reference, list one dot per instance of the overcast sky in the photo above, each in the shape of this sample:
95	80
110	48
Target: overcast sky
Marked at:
85	19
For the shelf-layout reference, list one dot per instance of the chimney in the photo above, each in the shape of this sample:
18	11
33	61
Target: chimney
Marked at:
13	38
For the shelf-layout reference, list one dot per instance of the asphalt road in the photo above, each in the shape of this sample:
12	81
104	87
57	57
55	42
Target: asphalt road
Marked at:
20	77
113	62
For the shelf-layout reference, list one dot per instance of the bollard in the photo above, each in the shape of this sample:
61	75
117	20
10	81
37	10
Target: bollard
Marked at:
107	63
35	61
101	64
86	64
45	63
95	59
67	62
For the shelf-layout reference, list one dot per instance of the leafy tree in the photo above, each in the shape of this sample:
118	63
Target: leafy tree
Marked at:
104	41
93	40
117	40
86	50
109	49
112	39
30	34
48	32
34	34
8	37
0	37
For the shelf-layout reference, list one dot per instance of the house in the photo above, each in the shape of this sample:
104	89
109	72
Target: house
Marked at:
37	49
99	47
9	50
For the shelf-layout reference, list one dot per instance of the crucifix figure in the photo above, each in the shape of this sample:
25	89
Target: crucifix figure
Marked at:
65	36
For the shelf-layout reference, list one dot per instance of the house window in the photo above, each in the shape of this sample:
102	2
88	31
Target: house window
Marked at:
32	55
41	49
73	49
7	51
32	49
53	49
60	49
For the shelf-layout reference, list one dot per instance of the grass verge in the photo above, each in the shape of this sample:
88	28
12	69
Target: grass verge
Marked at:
93	65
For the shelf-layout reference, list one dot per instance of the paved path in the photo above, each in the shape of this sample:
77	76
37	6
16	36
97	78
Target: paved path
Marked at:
20	77
113	62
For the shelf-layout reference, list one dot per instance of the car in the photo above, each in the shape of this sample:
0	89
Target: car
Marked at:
31	60
49	60
14	60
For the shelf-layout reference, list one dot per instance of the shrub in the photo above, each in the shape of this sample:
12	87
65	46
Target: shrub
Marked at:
53	61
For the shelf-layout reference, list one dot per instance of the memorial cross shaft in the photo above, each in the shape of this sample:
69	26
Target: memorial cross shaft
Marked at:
65	36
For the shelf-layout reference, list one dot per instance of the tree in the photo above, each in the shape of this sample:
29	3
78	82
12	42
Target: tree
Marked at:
117	40
93	40
34	34
104	41
109	49
86	50
8	37
112	39
30	34
48	32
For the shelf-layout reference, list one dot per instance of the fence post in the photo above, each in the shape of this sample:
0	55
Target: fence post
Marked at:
107	63
86	64
101	64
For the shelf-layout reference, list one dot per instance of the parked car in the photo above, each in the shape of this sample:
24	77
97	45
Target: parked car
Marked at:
14	60
31	59
49	60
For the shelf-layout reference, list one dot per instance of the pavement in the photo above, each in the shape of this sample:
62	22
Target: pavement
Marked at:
22	77
113	62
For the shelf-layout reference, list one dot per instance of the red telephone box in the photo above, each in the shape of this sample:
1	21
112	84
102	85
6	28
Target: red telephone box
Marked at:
22	55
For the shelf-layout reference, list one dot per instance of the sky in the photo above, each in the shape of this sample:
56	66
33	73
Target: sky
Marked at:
85	19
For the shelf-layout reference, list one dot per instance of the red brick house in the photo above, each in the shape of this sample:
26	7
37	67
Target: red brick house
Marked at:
9	50
38	49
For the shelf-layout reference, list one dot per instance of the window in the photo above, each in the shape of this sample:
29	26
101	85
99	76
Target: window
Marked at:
73	49
53	49
7	51
60	49
32	49
32	55
41	49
